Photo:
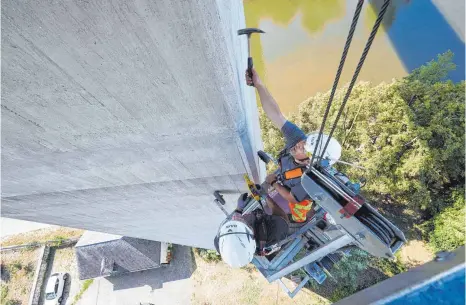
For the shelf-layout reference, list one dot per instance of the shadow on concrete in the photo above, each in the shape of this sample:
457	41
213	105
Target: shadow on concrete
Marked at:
181	267
47	275
66	289
48	272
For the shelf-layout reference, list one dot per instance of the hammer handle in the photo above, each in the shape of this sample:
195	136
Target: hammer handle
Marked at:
250	65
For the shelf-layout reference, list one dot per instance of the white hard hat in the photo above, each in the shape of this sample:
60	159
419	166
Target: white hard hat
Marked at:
236	243
333	151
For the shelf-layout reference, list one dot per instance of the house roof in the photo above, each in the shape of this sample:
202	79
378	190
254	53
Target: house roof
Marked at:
91	237
100	254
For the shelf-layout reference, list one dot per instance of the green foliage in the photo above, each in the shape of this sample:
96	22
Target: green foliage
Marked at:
346	273
3	293
84	287
58	241
29	269
448	232
251	291
12	302
15	267
435	70
32	246
87	283
408	134
388	266
273	140
208	255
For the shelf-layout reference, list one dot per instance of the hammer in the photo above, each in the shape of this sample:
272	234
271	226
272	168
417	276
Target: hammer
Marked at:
249	31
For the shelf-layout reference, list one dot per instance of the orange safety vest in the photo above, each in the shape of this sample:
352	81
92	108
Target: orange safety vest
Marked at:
299	210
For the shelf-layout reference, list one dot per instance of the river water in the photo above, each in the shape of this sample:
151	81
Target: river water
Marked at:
300	52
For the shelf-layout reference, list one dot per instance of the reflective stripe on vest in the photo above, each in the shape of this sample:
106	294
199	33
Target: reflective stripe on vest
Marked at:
299	210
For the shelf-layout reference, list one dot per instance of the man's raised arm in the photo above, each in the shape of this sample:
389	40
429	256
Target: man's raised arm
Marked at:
270	106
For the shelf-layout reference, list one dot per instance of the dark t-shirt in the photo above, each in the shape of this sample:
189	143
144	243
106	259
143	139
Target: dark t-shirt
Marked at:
293	134
277	228
287	163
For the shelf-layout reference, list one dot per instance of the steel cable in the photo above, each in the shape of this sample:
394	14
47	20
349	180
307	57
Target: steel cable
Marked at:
337	77
356	72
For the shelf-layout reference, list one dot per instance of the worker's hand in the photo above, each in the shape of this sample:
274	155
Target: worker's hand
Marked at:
255	80
271	178
241	204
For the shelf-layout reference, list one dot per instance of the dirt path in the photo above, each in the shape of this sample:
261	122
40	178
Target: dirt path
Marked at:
415	253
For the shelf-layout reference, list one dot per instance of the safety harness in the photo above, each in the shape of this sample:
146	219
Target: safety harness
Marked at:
290	177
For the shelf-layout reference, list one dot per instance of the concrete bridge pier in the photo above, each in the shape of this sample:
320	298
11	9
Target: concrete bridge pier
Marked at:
124	116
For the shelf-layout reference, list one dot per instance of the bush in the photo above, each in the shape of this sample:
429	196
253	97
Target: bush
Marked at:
3	293
15	267
388	267
12	302
208	255
29	269
435	70
408	134
346	272
448	232
58	241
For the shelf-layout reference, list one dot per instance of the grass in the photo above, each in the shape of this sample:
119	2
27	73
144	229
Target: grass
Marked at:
17	275
251	290
208	255
84	287
341	292
58	241
29	269
12	302
42	235
3	293
216	283
14	267
389	267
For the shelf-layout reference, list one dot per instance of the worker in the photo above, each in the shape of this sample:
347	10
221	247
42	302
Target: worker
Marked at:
293	160
240	237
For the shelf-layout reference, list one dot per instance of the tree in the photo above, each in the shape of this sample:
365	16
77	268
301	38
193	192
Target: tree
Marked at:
447	228
408	134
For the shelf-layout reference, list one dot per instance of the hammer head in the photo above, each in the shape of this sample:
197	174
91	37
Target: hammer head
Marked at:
249	31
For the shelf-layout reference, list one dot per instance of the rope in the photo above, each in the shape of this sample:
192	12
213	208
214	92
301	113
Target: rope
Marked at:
337	78
358	69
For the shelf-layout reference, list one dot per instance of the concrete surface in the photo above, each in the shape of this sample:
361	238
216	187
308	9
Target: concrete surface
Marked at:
14	226
63	259
124	117
169	285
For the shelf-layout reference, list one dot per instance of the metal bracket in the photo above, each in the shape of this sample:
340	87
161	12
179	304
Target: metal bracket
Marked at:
291	294
330	247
